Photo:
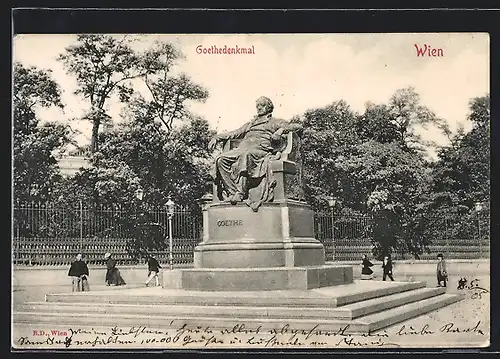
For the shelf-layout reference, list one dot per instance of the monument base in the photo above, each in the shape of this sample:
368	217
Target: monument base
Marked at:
257	279
304	252
280	234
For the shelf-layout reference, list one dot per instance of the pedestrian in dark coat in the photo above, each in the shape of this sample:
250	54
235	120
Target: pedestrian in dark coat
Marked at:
79	273
366	271
113	276
387	268
153	268
441	272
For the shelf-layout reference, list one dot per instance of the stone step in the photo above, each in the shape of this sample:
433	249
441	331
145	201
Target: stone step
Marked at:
366	324
327	297
345	295
370	306
163	322
392	316
350	311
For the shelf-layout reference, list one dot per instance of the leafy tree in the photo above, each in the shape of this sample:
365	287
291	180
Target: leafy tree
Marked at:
174	161
146	150
407	114
461	178
103	65
169	92
35	168
32	88
462	172
375	124
391	177
369	163
138	153
391	182
329	135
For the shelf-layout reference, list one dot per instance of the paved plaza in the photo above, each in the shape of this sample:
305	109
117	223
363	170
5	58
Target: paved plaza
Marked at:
465	323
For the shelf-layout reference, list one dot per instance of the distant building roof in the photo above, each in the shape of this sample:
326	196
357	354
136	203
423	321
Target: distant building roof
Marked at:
80	151
69	165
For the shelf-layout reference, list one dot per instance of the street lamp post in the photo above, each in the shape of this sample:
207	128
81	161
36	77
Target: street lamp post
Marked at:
331	203
139	194
80	244
479	208
170	212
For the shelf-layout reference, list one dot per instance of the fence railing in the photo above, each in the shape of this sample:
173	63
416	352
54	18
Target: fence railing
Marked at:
46	234
352	236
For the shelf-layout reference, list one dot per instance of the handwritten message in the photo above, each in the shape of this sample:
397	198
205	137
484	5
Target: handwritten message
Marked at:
178	335
473	286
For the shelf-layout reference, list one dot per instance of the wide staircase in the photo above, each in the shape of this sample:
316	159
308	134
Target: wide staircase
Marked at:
360	307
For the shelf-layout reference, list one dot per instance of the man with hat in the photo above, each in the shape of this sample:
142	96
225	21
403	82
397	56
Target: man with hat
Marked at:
441	273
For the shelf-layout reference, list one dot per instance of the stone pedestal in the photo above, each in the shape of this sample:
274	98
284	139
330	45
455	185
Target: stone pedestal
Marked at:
272	249
280	234
257	279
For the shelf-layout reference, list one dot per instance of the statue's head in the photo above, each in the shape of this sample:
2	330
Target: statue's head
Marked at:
264	106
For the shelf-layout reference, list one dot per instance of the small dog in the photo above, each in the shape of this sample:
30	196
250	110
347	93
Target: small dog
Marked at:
461	283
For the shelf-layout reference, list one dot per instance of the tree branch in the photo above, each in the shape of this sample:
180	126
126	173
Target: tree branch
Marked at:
165	92
94	80
176	108
164	122
150	89
105	93
111	88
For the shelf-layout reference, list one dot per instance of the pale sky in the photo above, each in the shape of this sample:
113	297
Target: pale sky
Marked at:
299	72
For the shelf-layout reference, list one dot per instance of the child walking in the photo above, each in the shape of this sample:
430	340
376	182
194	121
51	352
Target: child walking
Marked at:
154	269
441	272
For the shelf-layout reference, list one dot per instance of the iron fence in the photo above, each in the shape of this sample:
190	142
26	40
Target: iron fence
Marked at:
347	238
48	234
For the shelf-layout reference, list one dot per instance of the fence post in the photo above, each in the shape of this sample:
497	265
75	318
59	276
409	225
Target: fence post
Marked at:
16	243
479	236
334	254
81	227
447	237
318	233
170	243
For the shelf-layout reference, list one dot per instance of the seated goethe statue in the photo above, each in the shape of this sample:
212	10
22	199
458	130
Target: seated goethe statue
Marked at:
244	174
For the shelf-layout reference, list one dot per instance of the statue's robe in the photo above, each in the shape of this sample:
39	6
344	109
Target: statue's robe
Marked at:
246	169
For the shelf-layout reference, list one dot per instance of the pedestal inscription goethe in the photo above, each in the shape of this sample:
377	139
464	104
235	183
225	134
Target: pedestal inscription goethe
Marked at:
258	231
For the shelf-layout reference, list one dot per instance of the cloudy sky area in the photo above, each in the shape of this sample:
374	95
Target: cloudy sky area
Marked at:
299	72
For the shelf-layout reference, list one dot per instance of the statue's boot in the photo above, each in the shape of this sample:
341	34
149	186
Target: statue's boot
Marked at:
237	197
255	205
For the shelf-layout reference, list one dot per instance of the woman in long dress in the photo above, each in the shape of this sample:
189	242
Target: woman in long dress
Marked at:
113	276
366	272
